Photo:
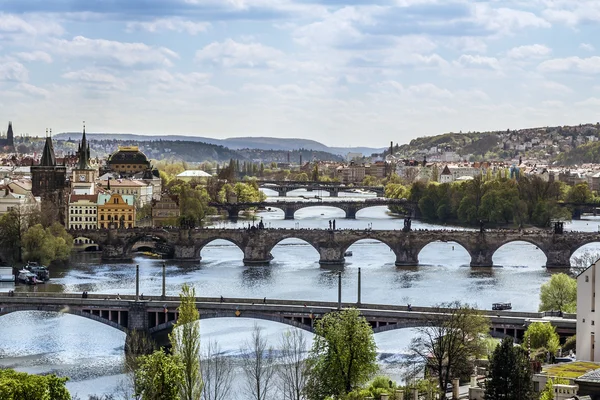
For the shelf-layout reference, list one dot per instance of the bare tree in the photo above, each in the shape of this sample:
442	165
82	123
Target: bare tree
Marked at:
258	365
582	262
292	370
217	372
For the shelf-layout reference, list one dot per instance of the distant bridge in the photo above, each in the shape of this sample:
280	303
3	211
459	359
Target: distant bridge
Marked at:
331	245
334	188
157	315
290	207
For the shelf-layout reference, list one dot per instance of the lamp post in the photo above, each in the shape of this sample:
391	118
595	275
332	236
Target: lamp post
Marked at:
358	299
164	288
339	290
137	282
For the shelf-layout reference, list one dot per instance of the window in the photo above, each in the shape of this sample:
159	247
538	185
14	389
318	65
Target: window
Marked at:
592	322
587	278
583	321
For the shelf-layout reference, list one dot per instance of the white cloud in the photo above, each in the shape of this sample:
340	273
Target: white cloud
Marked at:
571	12
477	61
589	65
32	90
113	52
507	20
169	24
32	26
587	47
35	56
13	71
232	54
529	51
593	102
557	87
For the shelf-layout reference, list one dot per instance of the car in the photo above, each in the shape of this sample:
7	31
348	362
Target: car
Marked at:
449	387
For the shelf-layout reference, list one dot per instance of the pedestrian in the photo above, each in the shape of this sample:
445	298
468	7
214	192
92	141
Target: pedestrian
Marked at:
265	300
221	299
329	224
334	224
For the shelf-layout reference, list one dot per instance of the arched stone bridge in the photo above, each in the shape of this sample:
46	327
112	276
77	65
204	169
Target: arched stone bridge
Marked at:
289	208
117	244
283	187
156	315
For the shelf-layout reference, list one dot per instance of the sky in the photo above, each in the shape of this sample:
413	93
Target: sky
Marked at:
345	73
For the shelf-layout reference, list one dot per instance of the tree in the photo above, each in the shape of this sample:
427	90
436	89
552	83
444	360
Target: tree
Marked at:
159	377
343	356
185	339
22	386
217	373
258	366
559	293
292	371
509	373
47	245
541	335
448	341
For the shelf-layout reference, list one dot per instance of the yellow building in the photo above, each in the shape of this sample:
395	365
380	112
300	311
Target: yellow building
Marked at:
128	160
116	209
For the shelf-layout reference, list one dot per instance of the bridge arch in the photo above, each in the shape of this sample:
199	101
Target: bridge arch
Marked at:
524	242
329	207
586	252
289	241
154	237
374	240
204	243
453	246
66	310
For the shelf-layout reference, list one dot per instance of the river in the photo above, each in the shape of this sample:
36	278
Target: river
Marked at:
91	354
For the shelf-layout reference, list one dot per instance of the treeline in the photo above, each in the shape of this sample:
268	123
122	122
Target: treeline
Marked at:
584	154
528	200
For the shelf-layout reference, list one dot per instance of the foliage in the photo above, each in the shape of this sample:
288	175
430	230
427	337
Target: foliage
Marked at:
258	366
448	342
47	245
559	294
292	371
570	370
570	344
243	192
528	200
185	339
22	386
217	373
159	377
509	373
343	356
541	334
582	262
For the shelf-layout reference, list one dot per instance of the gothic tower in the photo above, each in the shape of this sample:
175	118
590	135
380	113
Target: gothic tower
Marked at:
10	140
84	176
49	181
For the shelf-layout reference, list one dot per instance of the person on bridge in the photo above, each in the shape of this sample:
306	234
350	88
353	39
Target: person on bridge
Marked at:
221	299
334	224
329	224
261	225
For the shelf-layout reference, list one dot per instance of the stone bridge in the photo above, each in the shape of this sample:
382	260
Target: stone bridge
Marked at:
331	245
334	188
156	315
290	207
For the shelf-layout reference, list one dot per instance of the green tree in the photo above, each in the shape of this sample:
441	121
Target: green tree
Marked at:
47	245
159	377
448	342
542	335
185	339
580	193
343	356
559	294
22	386
509	373
315	173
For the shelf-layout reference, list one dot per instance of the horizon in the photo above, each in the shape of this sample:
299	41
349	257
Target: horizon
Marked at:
345	74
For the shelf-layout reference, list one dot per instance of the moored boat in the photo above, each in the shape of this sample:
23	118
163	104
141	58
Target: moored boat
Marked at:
27	277
41	272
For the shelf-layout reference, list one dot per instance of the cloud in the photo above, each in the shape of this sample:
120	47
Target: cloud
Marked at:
587	47
477	61
557	87
36	55
529	51
572	13
232	54
13	71
32	25
32	90
589	65
97	78
109	52
169	24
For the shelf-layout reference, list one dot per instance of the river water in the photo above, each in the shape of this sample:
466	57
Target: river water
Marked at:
91	354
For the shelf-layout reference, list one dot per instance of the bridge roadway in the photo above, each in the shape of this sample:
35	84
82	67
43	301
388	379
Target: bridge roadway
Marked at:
350	207
331	245
156	315
334	188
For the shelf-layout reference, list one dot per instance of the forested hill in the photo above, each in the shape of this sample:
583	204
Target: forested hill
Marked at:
584	154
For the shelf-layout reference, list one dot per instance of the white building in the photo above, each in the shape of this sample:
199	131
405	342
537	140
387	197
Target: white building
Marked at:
83	211
140	190
14	201
587	303
446	175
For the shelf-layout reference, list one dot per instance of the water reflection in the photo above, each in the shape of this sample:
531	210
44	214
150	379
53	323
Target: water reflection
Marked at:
256	277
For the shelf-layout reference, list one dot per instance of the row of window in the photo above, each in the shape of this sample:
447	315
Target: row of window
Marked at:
126	225
91	219
80	211
115	217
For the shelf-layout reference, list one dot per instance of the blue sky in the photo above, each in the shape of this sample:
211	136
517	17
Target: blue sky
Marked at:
341	72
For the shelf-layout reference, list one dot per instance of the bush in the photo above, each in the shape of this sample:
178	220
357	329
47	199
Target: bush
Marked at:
570	344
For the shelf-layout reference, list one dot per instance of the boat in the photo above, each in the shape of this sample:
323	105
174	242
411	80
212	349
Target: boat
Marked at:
41	272
6	274
502	306
348	254
27	277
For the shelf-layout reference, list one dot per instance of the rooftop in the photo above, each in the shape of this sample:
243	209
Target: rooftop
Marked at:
194	173
573	369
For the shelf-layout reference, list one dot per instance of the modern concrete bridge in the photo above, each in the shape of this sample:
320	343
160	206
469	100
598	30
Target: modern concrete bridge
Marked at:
334	188
257	244
156	315
350	207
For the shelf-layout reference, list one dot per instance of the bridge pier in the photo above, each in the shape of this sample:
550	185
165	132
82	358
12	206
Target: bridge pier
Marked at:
257	255
186	252
559	259
334	192
289	212
406	258
332	255
482	258
115	252
233	213
351	212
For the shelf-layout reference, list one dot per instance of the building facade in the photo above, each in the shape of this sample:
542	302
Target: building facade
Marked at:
587	304
49	182
128	160
165	211
84	177
116	210
83	211
140	190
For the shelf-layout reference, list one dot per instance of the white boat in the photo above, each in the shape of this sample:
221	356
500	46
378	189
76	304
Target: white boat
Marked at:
26	277
6	274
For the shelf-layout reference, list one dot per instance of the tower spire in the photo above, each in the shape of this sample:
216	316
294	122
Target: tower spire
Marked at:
84	152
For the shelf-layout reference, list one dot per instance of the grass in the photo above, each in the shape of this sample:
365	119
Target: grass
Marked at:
570	370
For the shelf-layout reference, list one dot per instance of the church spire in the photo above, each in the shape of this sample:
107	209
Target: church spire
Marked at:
84	152
48	157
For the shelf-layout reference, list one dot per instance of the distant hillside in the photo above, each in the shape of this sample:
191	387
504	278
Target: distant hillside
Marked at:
584	154
235	143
